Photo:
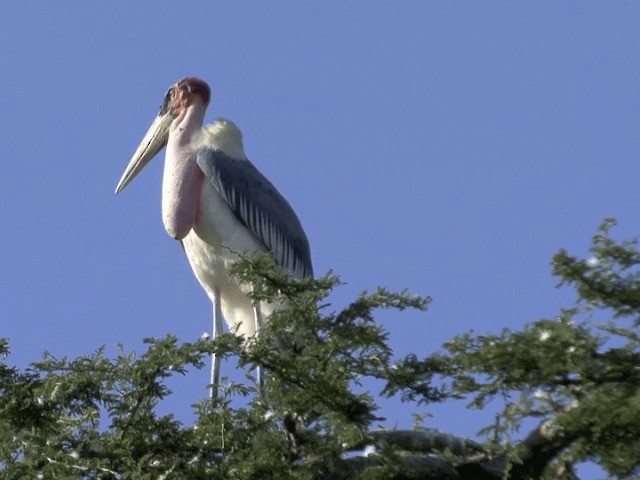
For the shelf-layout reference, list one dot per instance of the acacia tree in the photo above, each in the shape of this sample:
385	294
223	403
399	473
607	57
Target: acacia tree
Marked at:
575	382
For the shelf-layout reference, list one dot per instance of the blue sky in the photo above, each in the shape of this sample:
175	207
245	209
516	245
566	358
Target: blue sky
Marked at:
445	147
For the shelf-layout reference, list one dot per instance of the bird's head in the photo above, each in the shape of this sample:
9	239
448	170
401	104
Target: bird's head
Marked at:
179	98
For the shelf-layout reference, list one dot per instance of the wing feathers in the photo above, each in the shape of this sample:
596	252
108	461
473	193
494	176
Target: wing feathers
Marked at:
261	208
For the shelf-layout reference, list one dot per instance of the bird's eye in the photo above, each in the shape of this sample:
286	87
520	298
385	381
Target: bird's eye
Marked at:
167	100
167	96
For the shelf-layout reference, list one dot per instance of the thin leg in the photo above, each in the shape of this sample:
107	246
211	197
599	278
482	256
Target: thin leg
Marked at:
217	329
257	316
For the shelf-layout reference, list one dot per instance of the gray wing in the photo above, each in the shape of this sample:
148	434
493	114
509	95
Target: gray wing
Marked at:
261	208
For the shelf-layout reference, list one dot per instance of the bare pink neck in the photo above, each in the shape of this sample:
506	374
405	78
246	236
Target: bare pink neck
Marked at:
182	178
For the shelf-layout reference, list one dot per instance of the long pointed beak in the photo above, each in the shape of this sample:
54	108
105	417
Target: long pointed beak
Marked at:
154	140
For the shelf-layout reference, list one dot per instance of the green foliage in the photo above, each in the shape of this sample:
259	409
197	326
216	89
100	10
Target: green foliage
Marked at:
572	383
95	417
608	279
583	376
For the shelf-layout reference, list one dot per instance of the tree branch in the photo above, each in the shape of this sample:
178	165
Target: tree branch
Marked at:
427	468
425	441
474	461
542	446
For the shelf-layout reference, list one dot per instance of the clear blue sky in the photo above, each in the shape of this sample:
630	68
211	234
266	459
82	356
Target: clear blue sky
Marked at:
446	147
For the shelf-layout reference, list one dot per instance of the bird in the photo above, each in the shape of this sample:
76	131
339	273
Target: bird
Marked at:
219	206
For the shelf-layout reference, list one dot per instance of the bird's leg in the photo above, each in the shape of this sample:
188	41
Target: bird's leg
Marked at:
217	329
259	322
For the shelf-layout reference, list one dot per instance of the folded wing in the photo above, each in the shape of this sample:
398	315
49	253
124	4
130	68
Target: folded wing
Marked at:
261	208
